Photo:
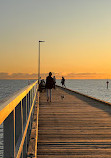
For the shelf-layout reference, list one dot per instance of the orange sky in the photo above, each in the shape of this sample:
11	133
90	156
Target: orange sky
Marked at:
77	35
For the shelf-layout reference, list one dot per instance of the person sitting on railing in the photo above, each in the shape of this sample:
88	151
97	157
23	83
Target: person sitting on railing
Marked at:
49	85
42	85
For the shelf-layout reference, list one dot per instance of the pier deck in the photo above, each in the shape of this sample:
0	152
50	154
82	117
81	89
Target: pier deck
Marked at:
76	126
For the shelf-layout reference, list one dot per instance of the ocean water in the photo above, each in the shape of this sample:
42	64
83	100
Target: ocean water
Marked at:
94	88
8	87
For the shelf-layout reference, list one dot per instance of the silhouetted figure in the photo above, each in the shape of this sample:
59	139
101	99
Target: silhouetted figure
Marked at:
63	81
49	85
54	79
42	85
107	83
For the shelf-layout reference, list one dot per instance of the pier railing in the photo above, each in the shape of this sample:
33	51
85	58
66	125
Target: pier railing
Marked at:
16	114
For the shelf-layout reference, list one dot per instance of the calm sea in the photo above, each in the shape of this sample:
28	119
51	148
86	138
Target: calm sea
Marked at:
8	87
94	88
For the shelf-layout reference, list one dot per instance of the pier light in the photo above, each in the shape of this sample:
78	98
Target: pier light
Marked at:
39	63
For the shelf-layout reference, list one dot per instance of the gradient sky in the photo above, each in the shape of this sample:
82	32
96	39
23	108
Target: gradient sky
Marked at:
77	35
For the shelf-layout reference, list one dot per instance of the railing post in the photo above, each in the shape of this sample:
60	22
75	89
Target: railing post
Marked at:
24	107
26	121
14	130
18	122
28	109
22	122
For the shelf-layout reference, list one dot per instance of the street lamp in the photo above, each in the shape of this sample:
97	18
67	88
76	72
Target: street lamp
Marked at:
39	63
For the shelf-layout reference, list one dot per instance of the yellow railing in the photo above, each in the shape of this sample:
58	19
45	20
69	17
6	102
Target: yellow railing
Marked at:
16	114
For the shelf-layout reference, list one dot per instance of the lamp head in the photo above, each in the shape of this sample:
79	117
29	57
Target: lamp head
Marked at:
41	41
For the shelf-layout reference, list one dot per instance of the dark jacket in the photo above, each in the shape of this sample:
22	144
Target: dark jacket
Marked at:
49	82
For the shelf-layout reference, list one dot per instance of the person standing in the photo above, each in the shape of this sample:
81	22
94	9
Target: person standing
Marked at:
63	81
54	79
49	86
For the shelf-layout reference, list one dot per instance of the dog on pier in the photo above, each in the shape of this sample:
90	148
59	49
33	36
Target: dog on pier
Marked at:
62	97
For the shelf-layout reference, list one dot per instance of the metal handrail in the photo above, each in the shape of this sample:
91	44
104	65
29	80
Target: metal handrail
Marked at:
16	115
8	105
18	153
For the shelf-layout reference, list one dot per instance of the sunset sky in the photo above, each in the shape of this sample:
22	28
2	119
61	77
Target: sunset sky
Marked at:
77	35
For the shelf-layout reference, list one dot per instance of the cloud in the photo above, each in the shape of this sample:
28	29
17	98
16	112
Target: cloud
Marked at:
58	75
85	75
4	75
17	76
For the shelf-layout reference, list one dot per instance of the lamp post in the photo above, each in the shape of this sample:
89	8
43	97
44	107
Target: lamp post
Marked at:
39	63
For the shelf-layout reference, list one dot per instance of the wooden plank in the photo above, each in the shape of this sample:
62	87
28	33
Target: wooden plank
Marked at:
75	126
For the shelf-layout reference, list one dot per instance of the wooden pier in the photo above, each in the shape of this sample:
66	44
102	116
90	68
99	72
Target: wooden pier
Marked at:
73	127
